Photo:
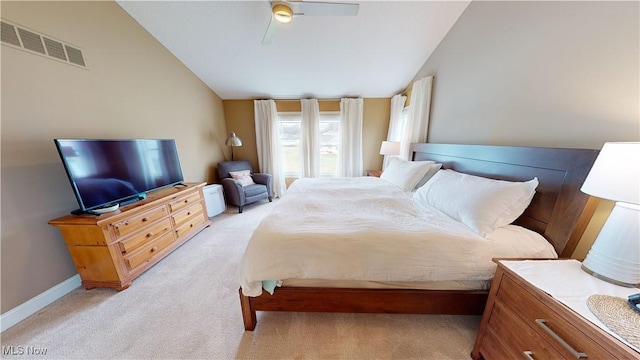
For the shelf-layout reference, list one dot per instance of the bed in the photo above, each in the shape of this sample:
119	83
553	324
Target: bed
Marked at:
559	212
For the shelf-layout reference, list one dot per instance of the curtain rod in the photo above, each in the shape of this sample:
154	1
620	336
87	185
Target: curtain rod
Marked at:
292	100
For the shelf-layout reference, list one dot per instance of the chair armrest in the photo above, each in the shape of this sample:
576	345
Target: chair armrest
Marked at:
233	192
265	179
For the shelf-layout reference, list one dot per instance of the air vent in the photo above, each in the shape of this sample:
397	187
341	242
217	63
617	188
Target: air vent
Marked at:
19	37
9	34
75	55
55	49
31	41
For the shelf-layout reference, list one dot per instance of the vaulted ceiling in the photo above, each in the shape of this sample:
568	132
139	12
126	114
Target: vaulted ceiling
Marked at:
373	54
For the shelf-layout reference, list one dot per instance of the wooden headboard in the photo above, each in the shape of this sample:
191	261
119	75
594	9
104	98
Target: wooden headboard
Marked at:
559	210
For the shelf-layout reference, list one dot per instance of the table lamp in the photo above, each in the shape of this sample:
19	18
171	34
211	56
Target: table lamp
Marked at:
615	175
233	141
391	148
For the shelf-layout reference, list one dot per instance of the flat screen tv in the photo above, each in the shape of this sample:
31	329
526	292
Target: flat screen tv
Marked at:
107	172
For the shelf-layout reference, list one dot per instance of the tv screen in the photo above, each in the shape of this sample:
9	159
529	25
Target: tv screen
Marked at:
106	172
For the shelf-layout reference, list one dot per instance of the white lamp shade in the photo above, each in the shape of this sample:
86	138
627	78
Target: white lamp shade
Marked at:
390	148
615	175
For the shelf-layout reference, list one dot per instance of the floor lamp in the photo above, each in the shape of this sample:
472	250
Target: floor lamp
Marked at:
233	141
615	175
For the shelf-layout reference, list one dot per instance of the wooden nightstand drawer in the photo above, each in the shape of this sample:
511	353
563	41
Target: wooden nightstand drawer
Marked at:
545	321
517	337
147	252
145	236
137	222
492	347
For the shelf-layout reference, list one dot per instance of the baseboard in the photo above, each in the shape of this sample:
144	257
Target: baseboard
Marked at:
38	303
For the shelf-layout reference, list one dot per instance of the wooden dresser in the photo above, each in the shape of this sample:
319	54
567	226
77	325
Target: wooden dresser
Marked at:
521	321
112	249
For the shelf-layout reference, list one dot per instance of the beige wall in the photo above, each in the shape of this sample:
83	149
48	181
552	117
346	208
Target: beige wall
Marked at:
554	74
538	73
134	88
240	118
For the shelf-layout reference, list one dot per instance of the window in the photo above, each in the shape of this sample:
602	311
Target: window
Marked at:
398	131
289	127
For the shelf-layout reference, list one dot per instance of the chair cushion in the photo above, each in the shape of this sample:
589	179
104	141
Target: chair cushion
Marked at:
255	189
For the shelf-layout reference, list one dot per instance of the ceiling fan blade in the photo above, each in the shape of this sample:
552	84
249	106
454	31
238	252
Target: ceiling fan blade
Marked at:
270	33
312	8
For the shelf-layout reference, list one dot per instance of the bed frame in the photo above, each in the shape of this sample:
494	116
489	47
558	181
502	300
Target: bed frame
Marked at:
558	211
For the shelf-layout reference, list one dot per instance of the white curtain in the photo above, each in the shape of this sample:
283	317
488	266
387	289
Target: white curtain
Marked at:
310	138
418	122
396	126
350	144
268	143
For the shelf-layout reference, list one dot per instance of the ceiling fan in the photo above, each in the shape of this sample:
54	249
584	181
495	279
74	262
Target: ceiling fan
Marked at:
282	12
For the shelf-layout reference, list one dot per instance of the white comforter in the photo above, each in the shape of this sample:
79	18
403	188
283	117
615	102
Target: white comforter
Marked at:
367	229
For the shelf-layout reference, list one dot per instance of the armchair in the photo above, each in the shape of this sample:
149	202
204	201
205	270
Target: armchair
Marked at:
238	195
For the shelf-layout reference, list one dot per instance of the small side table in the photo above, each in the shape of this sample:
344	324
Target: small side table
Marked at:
375	173
538	309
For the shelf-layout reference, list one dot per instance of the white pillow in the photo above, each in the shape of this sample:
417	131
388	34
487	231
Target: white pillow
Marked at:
481	204
243	177
432	171
405	174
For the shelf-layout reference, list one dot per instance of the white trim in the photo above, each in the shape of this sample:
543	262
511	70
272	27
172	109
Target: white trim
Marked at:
39	302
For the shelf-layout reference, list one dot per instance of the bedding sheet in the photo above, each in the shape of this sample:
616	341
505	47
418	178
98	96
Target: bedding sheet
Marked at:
365	228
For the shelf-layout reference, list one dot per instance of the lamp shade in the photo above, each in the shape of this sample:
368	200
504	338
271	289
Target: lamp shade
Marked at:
233	140
615	175
390	148
615	253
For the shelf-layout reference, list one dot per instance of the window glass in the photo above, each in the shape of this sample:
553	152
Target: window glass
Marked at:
289	127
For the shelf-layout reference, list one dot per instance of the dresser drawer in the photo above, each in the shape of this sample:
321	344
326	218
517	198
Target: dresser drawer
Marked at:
184	215
184	202
192	224
545	321
492	348
517	337
137	222
149	234
148	251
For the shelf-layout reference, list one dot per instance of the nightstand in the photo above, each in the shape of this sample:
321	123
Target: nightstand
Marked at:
375	173
537	309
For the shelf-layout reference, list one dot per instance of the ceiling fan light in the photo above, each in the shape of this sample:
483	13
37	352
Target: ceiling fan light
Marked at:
282	13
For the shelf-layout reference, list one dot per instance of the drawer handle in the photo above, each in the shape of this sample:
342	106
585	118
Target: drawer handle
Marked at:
149	235
145	219
154	249
186	201
189	213
543	324
528	355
